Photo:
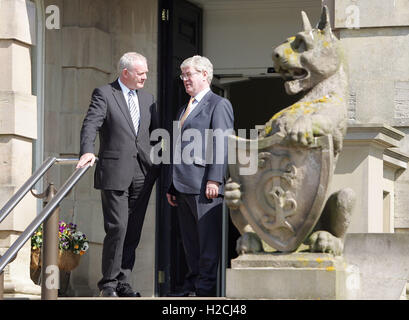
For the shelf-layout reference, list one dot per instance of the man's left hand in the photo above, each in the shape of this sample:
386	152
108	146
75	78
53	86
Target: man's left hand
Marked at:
212	189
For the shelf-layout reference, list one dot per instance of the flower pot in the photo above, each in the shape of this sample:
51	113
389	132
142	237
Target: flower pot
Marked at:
67	260
35	265
35	261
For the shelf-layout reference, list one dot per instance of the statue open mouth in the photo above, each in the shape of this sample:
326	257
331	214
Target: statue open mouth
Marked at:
294	74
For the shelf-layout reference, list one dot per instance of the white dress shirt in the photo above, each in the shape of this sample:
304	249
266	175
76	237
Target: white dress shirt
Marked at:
125	91
197	99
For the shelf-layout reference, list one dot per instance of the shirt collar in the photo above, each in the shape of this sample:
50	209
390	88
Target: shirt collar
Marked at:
124	88
201	94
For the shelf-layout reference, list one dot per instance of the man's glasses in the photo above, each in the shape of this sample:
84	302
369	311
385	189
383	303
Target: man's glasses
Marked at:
185	76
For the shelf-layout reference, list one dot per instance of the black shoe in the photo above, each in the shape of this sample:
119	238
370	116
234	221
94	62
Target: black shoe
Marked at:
125	290
108	292
181	294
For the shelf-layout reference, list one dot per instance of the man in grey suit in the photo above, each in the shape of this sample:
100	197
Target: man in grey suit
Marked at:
198	175
123	115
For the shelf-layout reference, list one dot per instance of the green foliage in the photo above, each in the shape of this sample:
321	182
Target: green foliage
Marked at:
70	239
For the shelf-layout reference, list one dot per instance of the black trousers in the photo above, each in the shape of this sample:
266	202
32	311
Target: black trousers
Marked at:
124	214
200	221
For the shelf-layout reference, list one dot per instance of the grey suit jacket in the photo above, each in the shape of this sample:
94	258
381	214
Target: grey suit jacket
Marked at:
120	148
208	155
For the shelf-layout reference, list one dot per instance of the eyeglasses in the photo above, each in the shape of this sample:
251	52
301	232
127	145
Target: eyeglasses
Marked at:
185	76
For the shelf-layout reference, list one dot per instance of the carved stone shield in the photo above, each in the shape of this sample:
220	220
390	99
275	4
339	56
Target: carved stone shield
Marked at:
284	198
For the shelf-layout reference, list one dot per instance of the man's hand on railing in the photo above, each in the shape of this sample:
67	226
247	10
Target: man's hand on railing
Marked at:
85	159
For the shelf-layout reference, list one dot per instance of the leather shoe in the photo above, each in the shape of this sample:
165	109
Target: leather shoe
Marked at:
108	292
125	290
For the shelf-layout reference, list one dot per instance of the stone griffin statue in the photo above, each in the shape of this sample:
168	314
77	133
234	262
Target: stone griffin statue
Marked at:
286	202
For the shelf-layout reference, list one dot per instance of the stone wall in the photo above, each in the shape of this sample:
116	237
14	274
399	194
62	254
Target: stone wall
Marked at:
238	36
375	35
80	56
18	130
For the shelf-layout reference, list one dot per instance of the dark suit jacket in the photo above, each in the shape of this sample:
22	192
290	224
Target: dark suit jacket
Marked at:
120	149
210	160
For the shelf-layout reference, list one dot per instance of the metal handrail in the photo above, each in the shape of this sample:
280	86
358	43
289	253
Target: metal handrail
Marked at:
39	219
47	210
26	187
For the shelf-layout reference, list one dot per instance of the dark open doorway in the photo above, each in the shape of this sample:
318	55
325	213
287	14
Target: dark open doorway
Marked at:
256	99
180	37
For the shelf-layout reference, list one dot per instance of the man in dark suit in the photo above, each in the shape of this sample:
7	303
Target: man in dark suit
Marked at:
124	115
198	175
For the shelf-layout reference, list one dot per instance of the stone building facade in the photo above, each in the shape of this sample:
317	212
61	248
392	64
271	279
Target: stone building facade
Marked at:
51	63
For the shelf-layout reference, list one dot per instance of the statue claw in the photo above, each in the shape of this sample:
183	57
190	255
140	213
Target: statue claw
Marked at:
232	194
325	242
249	242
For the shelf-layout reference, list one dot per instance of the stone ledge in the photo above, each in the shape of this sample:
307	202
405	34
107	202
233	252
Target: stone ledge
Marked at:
283	260
395	158
381	134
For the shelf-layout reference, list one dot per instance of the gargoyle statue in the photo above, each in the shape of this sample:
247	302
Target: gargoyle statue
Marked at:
311	62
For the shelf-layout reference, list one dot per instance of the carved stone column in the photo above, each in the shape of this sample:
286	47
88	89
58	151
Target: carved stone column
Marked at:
18	130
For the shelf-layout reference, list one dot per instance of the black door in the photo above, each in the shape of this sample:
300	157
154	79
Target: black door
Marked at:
180	37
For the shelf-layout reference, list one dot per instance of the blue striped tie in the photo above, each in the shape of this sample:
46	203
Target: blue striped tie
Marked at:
134	110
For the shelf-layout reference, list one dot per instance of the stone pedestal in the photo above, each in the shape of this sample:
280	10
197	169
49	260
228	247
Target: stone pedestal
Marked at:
291	276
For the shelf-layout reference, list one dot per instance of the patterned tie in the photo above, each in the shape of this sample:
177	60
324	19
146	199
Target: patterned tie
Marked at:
134	110
187	111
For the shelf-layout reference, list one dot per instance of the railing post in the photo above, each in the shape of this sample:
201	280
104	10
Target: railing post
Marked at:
1	285
50	274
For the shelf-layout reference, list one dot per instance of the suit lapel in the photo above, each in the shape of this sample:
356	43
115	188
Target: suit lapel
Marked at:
143	111
199	108
123	106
